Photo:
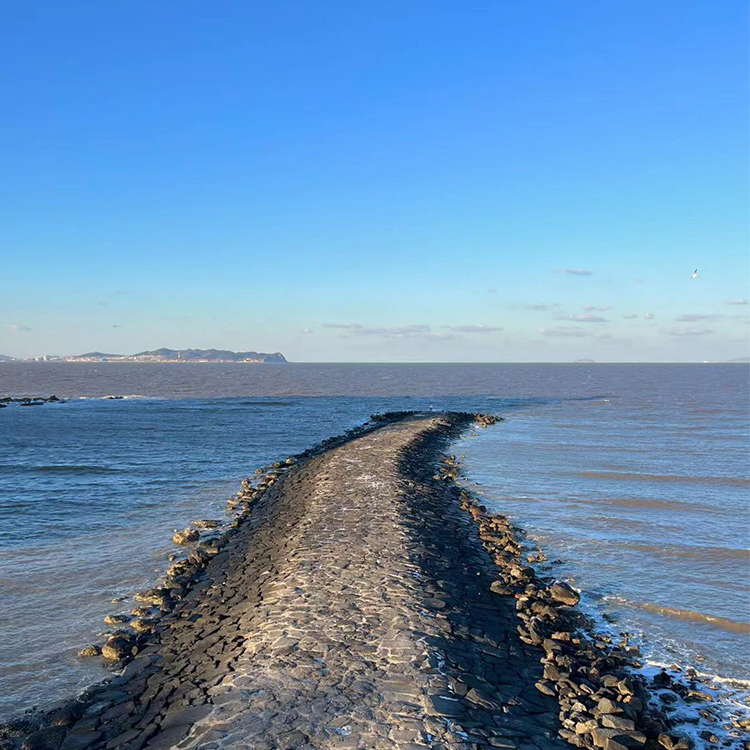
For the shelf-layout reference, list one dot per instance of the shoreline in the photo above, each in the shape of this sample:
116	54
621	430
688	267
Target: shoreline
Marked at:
194	611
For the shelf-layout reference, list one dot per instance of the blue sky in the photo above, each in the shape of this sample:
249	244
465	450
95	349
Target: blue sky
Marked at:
382	181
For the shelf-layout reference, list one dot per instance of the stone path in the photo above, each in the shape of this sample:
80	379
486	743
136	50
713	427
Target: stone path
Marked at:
377	629
352	609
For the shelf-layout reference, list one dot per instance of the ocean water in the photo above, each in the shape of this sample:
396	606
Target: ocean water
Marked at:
634	479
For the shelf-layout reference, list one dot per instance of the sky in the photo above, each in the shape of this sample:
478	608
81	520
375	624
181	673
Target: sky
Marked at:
383	181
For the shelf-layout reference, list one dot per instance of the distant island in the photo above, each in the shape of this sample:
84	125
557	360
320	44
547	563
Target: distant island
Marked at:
168	355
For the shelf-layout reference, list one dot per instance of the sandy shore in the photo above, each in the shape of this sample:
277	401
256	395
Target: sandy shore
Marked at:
362	601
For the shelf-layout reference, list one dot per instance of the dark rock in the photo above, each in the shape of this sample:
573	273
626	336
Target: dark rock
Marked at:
78	740
67	715
446	705
187	715
49	738
291	740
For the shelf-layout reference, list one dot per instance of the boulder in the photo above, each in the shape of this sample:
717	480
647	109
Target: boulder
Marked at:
118	647
562	592
206	523
116	619
186	536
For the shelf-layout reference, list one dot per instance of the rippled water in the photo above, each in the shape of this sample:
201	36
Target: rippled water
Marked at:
635	477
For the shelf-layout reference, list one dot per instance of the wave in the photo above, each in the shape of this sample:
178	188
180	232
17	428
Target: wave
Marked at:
730	481
689	615
673	505
697	552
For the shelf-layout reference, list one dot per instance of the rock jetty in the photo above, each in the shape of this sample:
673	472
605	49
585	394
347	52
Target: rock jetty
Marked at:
359	599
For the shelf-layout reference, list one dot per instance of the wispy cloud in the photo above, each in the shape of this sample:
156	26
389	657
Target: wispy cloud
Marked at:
649	316
492	291
575	272
696	317
595	308
357	329
19	328
583	318
544	306
307	331
630	316
689	332
736	302
562	331
474	329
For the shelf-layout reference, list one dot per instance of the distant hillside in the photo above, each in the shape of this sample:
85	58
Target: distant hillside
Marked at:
739	360
6	358
179	355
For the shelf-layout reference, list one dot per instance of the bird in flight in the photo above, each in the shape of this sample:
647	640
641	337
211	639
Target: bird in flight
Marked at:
695	274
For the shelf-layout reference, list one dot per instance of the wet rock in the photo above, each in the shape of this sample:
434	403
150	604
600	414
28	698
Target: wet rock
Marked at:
562	592
157	597
708	736
206	523
674	741
118	647
116	619
185	536
92	650
143	625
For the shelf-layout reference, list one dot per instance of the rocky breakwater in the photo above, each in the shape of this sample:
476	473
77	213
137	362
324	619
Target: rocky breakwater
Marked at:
29	400
351	603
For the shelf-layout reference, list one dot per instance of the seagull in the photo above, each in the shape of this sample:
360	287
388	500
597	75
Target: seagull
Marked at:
695	274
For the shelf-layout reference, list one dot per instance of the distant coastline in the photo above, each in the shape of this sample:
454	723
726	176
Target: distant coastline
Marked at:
165	356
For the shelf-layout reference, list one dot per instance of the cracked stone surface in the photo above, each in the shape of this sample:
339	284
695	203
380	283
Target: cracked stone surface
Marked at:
352	609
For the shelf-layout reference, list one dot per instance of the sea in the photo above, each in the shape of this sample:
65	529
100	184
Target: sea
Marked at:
633	479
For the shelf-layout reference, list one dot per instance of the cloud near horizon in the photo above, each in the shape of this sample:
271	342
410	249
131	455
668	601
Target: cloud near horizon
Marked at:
544	306
474	329
583	318
696	317
682	332
736	302
595	308
575	271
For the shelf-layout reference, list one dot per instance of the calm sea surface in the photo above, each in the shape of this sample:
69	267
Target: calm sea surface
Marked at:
636	478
